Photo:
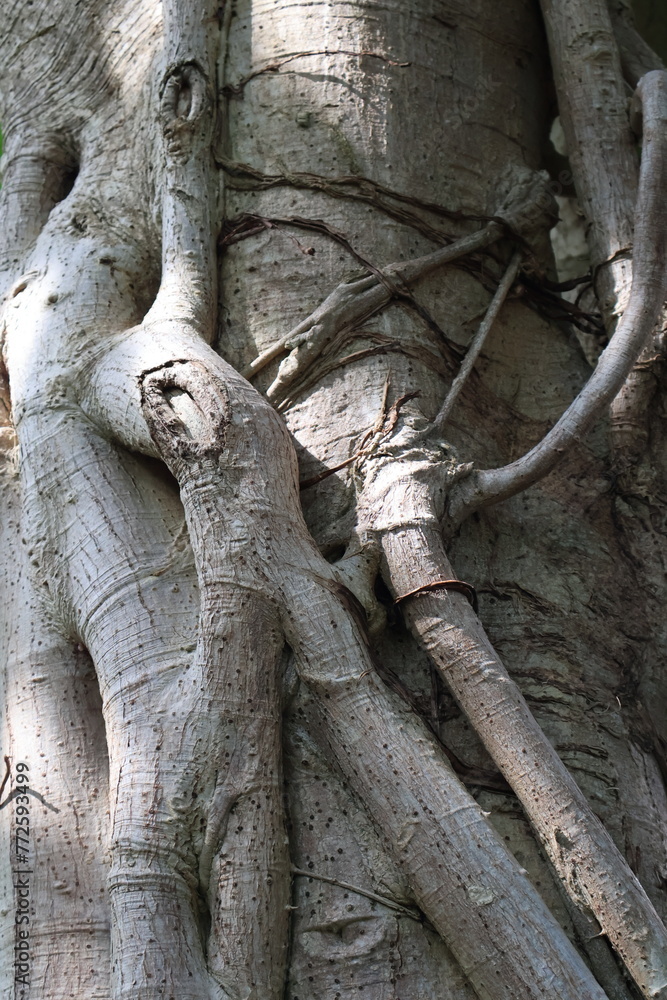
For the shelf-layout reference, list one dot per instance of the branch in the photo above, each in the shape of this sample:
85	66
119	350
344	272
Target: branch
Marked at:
593	872
461	877
476	344
628	413
637	56
189	262
235	464
592	102
593	46
526	209
392	904
649	288
352	303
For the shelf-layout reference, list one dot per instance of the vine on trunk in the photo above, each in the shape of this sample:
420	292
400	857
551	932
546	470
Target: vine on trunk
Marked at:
200	866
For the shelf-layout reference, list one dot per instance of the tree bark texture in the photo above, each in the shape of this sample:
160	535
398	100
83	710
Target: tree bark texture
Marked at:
295	706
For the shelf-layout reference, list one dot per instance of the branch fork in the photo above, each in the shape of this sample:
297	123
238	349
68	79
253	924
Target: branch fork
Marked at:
643	312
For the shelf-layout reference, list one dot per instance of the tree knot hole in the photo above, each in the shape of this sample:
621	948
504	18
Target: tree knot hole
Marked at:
187	409
184	99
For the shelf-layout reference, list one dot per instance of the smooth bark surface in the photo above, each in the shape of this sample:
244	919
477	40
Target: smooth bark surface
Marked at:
228	605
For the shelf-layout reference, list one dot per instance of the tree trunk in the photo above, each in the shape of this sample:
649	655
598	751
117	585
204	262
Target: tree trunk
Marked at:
331	616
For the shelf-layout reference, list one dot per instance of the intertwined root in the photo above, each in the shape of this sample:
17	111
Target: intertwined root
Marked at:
199	883
425	815
159	388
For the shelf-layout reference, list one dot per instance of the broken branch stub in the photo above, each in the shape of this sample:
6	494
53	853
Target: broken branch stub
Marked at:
187	410
351	304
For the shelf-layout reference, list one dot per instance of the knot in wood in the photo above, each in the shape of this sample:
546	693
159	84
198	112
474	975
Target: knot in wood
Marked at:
185	105
187	410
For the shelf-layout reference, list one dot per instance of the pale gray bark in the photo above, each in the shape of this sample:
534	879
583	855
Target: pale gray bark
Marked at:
641	314
225	655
